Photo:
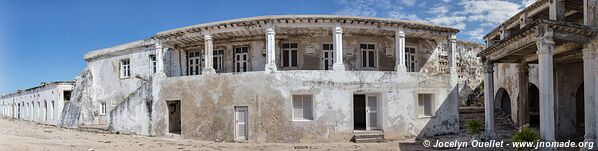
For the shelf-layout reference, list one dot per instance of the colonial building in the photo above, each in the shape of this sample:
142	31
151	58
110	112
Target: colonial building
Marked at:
41	104
307	78
540	67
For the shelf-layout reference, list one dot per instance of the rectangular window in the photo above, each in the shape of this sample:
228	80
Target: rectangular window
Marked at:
125	68
102	108
241	58
425	105
328	56
302	107
153	63
368	55
193	63
289	55
410	59
218	60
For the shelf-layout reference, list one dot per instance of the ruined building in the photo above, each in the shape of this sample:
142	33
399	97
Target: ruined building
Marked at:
540	67
41	104
311	78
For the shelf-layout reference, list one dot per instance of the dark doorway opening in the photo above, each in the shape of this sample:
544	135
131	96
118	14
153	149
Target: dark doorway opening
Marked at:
359	112
579	109
174	116
502	96
533	93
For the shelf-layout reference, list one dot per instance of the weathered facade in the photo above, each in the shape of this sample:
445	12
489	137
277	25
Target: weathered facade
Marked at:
311	78
541	68
41	104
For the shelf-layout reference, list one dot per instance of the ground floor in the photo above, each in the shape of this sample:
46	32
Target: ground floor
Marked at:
22	135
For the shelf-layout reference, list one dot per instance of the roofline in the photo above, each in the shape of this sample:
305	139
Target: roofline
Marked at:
515	17
114	49
43	84
308	17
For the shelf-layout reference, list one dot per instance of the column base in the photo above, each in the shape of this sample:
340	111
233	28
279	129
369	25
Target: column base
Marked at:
208	71
401	68
490	136
338	67
270	68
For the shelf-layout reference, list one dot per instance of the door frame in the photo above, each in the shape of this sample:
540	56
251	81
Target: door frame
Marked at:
235	121
367	113
379	112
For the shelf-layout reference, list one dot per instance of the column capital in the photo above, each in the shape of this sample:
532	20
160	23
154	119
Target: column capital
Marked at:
338	29
453	38
588	51
207	37
545	42
488	67
400	33
270	29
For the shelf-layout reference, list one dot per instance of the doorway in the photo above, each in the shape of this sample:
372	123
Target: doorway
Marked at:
579	109
174	116
365	112
241	122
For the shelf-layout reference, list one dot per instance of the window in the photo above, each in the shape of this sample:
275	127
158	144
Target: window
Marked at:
302	107
425	105
241	57
125	68
102	108
218	60
66	95
368	55
289	55
410	59
153	63
328	56
193	60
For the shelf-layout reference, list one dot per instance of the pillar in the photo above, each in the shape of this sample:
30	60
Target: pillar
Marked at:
489	100
270	49
589	75
160	51
338	49
523	98
545	52
400	51
453	54
208	56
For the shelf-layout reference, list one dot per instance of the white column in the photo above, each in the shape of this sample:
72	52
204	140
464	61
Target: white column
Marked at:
270	49
400	51
589	75
546	85
489	100
338	48
160	50
453	54
208	56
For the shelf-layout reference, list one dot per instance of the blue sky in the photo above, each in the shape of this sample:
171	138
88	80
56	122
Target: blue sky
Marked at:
46	40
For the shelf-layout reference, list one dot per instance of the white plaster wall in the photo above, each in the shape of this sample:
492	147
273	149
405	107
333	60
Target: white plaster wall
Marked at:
506	75
109	87
44	94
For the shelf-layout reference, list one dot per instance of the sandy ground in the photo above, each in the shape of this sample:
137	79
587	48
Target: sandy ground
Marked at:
22	135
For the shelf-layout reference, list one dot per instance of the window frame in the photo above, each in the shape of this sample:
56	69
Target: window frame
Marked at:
432	103
408	61
331	48
246	61
125	69
290	57
103	108
153	64
197	65
362	64
218	60
303	119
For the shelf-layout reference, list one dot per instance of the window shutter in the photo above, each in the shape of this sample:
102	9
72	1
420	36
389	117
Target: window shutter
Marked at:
285	58
297	107
420	106
428	105
307	107
293	58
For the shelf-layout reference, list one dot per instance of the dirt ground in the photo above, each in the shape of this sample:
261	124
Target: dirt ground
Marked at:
23	136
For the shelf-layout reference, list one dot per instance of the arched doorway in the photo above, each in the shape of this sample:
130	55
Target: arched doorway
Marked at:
502	97
533	94
579	109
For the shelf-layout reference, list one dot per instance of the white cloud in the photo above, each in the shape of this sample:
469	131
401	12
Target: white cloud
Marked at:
409	2
439	10
476	34
489	11
403	16
453	21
